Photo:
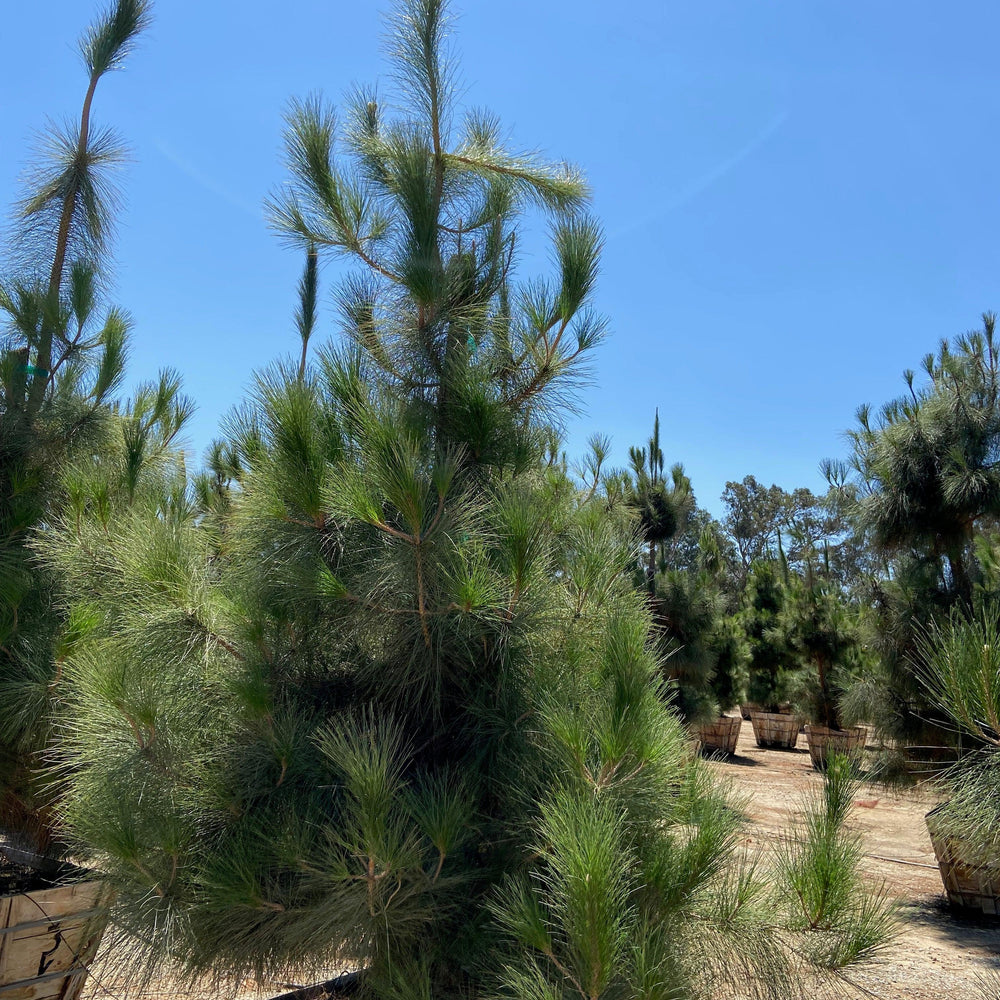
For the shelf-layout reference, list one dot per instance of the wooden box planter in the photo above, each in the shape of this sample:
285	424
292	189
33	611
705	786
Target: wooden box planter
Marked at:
721	734
50	927
824	741
773	730
968	886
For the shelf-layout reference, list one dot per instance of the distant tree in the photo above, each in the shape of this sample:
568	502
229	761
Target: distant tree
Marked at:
683	551
772	663
754	517
923	487
664	506
803	524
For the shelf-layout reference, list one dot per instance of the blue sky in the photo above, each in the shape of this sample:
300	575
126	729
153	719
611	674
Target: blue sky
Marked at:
800	199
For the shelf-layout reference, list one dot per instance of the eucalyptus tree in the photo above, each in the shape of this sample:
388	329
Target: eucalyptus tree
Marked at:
62	361
378	689
761	519
755	514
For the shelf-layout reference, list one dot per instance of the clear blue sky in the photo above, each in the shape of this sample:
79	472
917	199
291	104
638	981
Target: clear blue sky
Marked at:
800	199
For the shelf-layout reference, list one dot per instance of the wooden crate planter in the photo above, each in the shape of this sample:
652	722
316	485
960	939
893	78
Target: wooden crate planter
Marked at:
720	735
824	741
968	886
773	730
48	936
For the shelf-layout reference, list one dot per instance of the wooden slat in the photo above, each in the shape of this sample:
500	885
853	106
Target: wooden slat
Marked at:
46	939
45	904
86	915
56	984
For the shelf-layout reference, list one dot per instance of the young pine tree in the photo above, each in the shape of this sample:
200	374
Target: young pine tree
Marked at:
843	917
772	663
822	631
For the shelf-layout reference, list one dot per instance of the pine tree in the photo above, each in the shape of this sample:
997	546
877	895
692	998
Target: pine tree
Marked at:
378	687
923	484
822	630
686	613
926	465
772	664
844	915
683	604
960	670
62	361
663	507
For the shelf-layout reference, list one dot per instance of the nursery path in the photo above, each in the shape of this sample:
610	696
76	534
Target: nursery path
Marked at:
938	955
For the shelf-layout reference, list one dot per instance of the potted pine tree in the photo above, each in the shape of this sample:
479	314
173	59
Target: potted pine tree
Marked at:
729	675
925	499
960	667
687	604
728	683
821	631
700	653
772	666
685	610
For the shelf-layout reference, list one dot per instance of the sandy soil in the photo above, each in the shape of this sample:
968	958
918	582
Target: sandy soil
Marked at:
939	954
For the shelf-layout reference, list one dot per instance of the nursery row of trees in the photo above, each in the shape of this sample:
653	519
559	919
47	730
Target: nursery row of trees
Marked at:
823	601
385	679
759	608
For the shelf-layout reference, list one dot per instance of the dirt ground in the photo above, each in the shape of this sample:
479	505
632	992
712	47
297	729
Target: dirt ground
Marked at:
938	955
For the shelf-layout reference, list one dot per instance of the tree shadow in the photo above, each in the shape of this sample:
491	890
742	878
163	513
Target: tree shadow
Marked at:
730	758
965	928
